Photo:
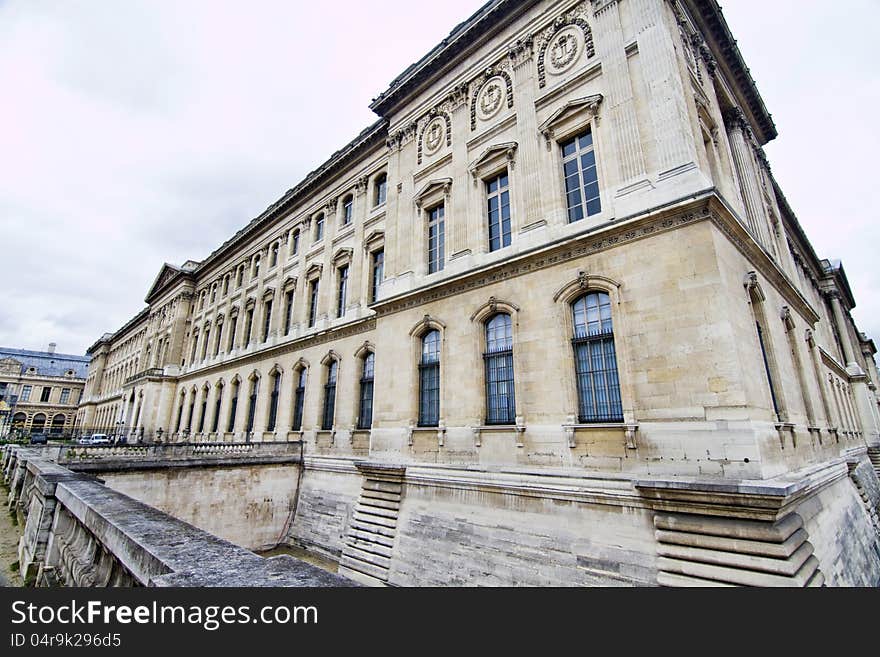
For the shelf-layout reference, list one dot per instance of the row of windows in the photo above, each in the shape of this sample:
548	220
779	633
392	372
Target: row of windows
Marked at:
379	196
377	272
582	200
45	393
595	369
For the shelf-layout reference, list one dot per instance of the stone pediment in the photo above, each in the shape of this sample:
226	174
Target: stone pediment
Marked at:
166	274
437	187
582	109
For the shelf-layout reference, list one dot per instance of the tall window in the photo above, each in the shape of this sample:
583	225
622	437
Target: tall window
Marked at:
252	404
249	325
26	393
313	302
226	285
204	410
347	210
295	246
205	342
342	291
273	255
365	411
581	179
319	227
256	270
330	396
213	293
767	369
429	380
378	273
500	401
44	395
180	412
218	339
240	277
436	240
381	190
216	422
267	319
233	406
273	401
498	198
232	328
65	395
192	410
595	360
299	396
288	311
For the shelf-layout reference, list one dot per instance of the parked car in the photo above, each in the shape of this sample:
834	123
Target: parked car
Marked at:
39	439
94	439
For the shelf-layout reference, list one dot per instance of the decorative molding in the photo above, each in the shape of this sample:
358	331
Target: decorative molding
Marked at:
491	156
589	106
481	85
491	307
576	17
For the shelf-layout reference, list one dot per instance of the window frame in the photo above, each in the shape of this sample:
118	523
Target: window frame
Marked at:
499	194
576	157
438	220
328	407
428	368
366	392
499	359
584	340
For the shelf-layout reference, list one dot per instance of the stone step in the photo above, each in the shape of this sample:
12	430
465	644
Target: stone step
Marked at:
379	504
382	486
367	557
740	546
350	563
787	567
737	575
381	539
380	495
361	578
370	546
374	520
676	580
377	511
755	530
373	528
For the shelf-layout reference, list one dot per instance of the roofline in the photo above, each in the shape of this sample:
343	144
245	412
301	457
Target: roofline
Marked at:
712	24
109	337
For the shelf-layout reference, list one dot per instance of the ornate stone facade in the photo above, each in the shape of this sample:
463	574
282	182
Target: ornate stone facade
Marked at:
621	144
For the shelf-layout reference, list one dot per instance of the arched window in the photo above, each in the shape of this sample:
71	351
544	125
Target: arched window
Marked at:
252	404
273	255
330	396
365	410
498	359
595	360
58	424
192	410
215	425
213	293
256	267
179	411
429	380
240	278
38	423
226	285
273	401
233	406
204	410
298	400
294	247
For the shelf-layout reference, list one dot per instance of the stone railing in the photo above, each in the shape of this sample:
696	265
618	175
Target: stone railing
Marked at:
153	372
104	457
78	532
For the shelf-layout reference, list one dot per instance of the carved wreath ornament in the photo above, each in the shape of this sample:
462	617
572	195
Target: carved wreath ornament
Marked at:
490	101
434	136
563	51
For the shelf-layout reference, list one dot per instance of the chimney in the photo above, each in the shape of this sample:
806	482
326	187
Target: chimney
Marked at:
52	346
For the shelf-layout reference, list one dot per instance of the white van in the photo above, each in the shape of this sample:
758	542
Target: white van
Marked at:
95	439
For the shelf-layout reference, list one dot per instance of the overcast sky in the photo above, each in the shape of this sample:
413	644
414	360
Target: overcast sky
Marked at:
134	133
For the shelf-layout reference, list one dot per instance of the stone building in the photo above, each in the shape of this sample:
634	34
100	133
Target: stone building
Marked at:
40	391
550	320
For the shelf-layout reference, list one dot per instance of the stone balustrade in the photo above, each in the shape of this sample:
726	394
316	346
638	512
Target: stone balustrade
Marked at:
78	532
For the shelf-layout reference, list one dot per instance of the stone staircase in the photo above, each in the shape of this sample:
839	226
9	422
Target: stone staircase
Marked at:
369	545
874	455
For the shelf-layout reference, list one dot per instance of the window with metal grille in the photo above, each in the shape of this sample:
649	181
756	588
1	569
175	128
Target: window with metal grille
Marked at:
429	380
342	291
329	396
288	314
498	202
216	422
581	178
498	360
252	405
273	402
313	302
378	274
595	360
365	412
436	239
233	407
267	319
298	399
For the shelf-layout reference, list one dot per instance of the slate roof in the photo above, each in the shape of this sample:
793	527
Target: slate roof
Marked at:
48	364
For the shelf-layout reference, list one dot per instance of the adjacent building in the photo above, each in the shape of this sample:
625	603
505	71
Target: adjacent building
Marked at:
40	391
550	320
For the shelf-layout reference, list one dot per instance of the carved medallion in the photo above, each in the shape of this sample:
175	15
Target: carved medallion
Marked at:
563	51
434	135
491	98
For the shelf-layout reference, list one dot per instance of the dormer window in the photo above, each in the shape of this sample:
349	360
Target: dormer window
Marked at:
380	192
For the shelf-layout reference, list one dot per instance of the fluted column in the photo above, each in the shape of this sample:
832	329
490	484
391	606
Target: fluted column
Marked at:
748	184
531	185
